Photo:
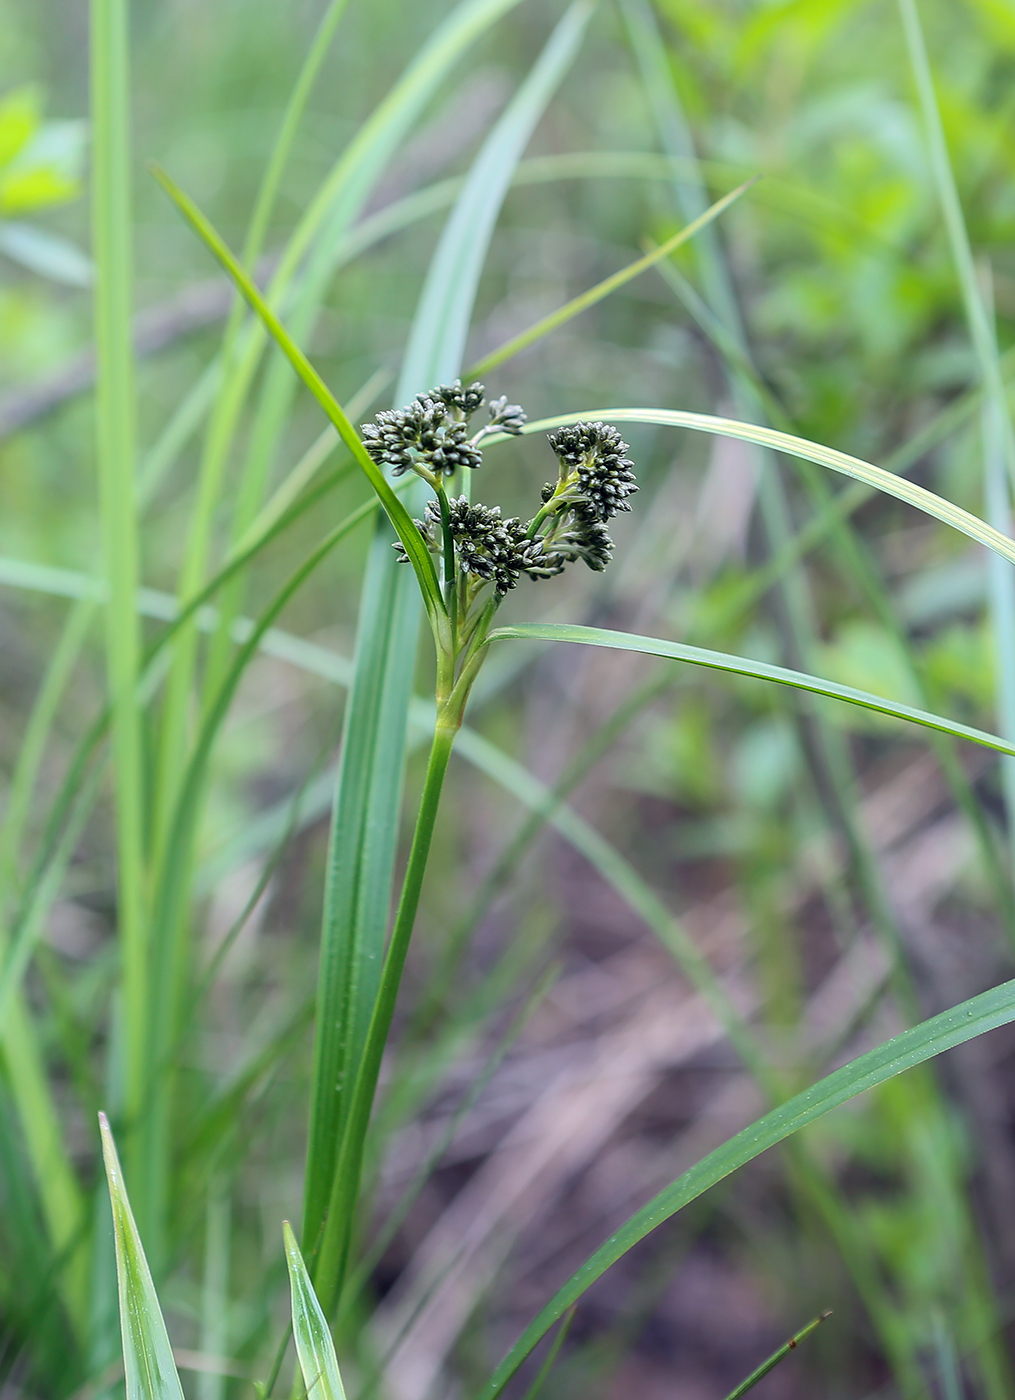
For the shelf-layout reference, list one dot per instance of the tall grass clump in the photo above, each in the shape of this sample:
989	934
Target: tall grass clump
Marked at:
444	824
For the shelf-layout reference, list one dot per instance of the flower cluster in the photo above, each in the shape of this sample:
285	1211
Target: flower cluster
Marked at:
431	435
490	548
595	479
596	475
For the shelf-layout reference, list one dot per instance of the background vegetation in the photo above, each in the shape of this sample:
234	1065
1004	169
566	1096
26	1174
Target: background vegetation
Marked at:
827	876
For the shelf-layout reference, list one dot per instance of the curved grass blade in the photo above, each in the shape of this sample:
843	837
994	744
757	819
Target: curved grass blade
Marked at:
793	446
964	1022
419	556
321	233
314	1347
148	1363
777	1356
998	431
744	666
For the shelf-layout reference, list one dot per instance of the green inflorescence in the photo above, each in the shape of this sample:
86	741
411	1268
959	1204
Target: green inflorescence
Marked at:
430	437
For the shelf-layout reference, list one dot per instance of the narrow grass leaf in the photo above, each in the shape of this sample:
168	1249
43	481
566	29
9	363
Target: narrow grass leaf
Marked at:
419	556
962	1023
744	666
148	1363
535	1389
115	426
829	457
318	242
777	1356
445	308
595	294
998	431
314	1347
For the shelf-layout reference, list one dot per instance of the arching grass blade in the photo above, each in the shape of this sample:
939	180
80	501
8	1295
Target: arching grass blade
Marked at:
829	457
913	1047
744	666
595	294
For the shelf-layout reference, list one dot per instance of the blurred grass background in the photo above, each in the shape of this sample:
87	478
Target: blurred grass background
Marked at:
825	865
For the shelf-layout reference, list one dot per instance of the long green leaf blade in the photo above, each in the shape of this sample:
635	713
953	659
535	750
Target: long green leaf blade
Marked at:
419	556
314	1347
829	457
148	1363
445	307
606	287
744	666
964	1022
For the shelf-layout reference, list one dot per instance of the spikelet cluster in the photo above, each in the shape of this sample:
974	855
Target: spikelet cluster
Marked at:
487	546
433	431
596	469
596	478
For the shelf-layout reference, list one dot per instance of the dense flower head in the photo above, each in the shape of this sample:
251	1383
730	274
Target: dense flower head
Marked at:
595	479
585	539
595	454
424	432
432	433
491	548
459	399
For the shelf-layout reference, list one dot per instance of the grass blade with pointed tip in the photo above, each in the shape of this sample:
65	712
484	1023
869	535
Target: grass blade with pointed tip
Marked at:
595	294
830	457
419	556
441	324
744	666
314	1347
115	450
148	1363
777	1356
962	1023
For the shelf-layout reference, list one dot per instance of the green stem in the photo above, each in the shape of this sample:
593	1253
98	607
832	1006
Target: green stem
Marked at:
332	1255
450	571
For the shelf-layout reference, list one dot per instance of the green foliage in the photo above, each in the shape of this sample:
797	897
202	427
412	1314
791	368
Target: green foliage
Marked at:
163	947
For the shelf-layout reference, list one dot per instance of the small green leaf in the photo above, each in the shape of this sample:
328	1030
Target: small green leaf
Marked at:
314	1347
148	1363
